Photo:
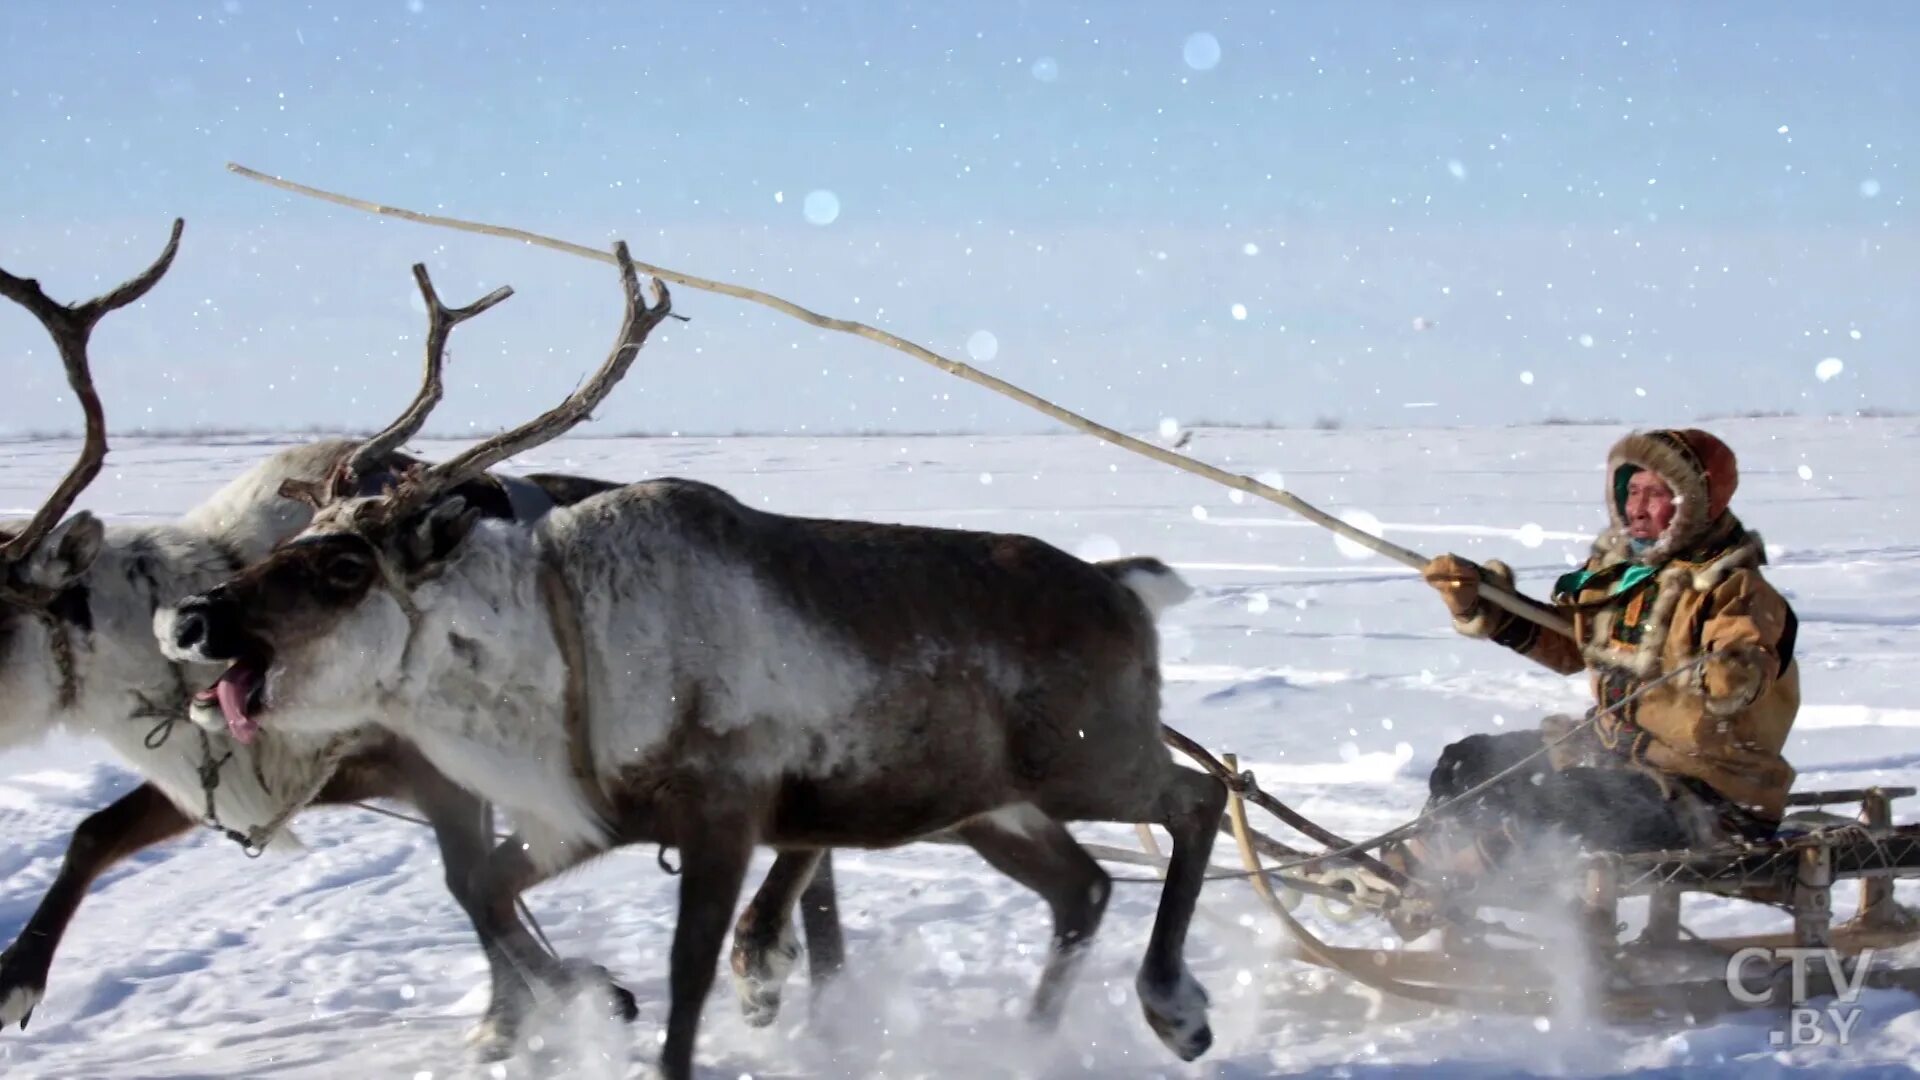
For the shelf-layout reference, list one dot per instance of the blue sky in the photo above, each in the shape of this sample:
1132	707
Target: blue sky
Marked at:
1386	213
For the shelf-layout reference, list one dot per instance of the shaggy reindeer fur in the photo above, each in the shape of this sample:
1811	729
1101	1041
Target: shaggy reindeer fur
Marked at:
750	678
132	697
128	692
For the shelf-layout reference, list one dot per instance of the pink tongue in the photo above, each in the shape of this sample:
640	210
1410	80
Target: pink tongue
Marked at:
231	692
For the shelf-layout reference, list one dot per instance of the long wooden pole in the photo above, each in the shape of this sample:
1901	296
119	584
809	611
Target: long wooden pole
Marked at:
1501	598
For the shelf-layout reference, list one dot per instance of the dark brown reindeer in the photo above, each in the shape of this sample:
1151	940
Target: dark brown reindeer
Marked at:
662	664
77	651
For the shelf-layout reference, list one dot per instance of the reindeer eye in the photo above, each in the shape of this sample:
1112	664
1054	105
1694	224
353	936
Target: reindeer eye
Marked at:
347	569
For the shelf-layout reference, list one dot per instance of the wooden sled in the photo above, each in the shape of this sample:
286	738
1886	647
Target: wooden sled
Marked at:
1665	972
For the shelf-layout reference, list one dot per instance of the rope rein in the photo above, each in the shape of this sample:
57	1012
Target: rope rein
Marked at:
1243	783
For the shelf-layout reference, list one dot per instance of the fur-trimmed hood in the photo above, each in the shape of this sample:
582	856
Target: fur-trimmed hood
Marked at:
1700	469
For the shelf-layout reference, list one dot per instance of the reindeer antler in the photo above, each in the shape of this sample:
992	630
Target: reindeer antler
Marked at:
71	326
638	323
440	323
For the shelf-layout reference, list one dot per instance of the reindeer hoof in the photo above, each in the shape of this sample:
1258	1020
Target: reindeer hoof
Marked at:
759	974
625	1007
17	1005
578	977
1177	1014
491	1040
760	1006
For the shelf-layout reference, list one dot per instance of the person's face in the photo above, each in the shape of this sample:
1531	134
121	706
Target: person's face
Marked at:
1649	507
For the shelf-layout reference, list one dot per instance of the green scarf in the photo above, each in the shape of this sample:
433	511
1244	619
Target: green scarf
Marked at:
1726	534
1570	584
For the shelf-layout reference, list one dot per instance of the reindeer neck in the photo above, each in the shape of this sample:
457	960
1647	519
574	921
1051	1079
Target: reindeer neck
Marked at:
482	691
482	636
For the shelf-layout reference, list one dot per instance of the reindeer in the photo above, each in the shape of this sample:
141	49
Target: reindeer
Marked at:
662	663
77	601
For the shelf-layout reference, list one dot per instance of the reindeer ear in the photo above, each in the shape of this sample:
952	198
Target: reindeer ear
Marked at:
67	552
440	530
310	492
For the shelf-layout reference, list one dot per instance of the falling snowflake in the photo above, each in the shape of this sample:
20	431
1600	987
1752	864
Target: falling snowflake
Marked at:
1201	51
1805	472
1240	312
1366	523
1527	377
821	207
1046	69
1531	535
1829	369
982	345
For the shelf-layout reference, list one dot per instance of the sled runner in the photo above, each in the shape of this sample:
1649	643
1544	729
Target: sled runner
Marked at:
1665	971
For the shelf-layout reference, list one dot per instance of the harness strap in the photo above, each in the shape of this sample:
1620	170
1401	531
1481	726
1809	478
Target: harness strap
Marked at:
564	615
255	840
61	639
397	585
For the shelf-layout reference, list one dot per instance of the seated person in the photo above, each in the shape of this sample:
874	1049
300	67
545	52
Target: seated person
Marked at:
1692	762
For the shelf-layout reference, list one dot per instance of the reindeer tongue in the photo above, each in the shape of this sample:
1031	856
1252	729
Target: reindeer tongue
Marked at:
232	692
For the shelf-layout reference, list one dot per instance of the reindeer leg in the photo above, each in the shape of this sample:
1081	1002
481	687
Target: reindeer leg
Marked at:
492	888
764	946
137	820
714	863
463	826
1173	1000
820	921
1038	852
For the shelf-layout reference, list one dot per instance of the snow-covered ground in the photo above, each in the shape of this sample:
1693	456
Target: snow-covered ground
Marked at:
1336	677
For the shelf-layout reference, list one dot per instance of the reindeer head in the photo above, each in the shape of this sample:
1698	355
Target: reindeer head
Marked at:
315	634
44	561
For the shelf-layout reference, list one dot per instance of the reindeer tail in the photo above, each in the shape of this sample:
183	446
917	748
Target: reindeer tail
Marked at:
1153	581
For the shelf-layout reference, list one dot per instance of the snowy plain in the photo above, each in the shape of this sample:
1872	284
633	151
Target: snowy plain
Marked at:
1332	673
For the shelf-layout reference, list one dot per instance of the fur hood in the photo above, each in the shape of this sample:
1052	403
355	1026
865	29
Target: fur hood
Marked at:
1700	469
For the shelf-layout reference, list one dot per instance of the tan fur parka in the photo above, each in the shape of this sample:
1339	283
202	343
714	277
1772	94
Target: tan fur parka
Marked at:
1637	616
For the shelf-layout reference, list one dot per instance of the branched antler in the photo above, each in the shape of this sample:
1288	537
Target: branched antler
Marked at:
638	323
71	326
440	323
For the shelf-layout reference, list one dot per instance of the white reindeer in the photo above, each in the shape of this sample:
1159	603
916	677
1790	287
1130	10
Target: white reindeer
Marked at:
77	601
661	663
